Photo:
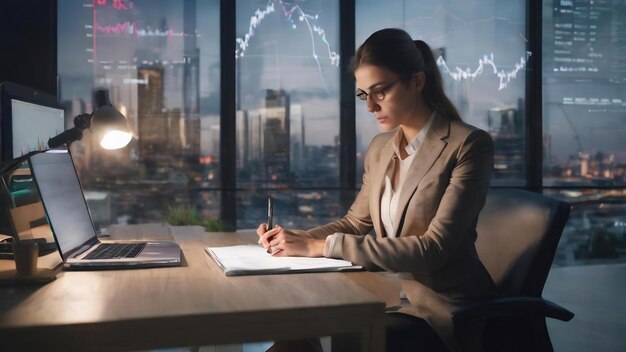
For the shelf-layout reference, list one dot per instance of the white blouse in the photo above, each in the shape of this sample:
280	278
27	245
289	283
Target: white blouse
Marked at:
389	200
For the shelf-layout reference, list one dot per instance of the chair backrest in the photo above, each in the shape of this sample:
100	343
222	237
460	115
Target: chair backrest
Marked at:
518	233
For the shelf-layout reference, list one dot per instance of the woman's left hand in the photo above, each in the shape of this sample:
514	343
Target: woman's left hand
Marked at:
287	243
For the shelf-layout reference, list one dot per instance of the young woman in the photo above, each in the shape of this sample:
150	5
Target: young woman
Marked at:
425	182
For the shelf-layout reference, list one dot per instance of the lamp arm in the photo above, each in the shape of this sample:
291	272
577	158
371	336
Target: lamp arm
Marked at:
81	122
65	137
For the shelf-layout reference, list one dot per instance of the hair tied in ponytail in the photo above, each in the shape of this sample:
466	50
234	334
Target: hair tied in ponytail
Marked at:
427	54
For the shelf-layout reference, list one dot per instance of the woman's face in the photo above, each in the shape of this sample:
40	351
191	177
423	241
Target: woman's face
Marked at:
392	100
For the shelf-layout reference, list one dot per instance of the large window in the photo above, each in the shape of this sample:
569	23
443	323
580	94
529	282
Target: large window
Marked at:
481	51
584	124
160	62
287	102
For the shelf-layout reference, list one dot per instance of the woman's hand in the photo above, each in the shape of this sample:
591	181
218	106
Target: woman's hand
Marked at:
284	243
266	235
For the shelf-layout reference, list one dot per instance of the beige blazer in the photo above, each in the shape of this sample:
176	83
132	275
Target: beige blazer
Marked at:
443	193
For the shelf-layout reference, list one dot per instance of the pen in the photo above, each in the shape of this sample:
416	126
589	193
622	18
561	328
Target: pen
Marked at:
270	213
270	217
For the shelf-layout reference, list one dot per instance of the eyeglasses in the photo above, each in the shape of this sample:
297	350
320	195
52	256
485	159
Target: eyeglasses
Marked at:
377	94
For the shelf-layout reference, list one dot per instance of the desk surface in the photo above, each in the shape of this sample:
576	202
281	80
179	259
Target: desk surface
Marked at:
194	304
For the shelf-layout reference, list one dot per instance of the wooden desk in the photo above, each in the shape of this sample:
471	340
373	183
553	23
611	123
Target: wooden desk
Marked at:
191	305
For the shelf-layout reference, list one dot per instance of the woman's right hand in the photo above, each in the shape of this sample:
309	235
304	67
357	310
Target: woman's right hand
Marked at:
265	235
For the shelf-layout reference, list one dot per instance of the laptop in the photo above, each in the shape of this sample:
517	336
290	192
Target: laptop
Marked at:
73	228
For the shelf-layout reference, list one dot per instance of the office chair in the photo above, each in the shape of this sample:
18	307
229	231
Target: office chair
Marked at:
518	233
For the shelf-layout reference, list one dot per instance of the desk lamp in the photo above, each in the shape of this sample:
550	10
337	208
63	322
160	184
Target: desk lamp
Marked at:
108	124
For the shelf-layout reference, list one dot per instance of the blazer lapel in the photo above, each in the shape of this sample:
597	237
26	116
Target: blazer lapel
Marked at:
377	184
430	150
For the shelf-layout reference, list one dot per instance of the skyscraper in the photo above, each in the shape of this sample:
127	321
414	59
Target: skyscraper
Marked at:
243	142
152	119
191	83
297	139
276	146
507	130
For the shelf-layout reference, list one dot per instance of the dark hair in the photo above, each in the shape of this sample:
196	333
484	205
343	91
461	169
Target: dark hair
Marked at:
395	50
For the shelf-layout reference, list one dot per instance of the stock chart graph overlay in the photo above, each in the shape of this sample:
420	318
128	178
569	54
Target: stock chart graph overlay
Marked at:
505	77
584	92
294	12
126	33
296	16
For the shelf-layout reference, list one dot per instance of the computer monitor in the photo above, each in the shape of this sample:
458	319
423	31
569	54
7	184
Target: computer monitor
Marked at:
28	117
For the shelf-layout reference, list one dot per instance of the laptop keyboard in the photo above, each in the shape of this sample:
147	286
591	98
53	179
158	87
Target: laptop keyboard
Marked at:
116	251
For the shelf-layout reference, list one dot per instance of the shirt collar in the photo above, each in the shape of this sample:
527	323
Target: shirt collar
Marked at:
414	145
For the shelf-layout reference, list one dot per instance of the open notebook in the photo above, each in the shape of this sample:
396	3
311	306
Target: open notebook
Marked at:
251	259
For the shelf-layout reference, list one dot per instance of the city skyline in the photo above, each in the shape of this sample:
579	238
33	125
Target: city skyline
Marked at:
560	149
161	65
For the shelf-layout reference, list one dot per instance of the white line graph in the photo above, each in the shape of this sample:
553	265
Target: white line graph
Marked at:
505	77
300	16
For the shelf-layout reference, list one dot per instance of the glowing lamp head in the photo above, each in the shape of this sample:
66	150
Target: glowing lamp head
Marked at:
108	125
115	139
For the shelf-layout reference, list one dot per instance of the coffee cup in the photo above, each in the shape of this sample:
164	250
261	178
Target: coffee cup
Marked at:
25	253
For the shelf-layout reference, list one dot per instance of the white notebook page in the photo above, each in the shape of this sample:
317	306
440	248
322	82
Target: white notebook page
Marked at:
252	258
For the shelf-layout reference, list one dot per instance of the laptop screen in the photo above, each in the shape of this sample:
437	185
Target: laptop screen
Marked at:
63	199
